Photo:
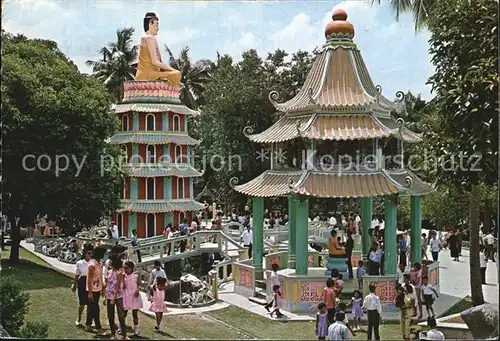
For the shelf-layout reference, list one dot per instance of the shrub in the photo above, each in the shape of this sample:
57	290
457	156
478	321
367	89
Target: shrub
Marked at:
14	304
34	330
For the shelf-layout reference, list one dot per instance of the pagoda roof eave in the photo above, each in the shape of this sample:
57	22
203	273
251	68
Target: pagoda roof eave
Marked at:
410	183
181	109
345	184
153	137
151	170
160	206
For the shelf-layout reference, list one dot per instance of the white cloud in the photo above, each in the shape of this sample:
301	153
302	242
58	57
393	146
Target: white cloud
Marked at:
299	34
177	37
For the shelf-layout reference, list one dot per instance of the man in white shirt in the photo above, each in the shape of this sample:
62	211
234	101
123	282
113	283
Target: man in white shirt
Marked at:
333	221
357	220
275	281
489	240
482	264
247	237
372	304
435	246
338	330
114	231
155	273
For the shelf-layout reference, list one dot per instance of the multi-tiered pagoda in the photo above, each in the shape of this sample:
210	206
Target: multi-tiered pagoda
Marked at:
337	138
154	135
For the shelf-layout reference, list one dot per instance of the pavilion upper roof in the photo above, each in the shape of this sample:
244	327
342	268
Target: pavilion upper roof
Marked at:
324	184
337	127
338	80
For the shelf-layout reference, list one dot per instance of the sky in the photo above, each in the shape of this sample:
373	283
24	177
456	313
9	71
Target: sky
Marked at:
396	57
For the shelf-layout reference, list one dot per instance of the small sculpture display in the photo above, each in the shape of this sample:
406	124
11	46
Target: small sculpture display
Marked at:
64	249
188	290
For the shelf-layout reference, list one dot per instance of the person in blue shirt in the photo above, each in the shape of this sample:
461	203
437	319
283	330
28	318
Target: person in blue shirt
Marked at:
403	249
183	229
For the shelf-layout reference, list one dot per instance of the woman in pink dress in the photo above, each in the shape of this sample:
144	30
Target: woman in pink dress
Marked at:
158	303
131	298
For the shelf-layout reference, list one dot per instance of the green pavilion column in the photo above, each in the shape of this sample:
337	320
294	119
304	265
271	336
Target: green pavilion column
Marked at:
366	222
390	238
416	229
292	231
258	235
302	225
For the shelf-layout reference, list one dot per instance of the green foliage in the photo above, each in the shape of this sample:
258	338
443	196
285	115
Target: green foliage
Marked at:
118	63
34	330
50	108
420	9
194	76
464	46
14	304
447	208
237	97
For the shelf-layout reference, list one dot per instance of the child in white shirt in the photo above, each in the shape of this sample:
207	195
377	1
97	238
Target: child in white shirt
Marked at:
427	291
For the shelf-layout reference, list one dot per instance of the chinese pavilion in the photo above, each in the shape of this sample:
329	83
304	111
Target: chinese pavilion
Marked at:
337	138
154	135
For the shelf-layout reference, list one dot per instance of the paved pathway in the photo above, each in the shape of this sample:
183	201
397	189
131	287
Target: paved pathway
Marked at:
455	277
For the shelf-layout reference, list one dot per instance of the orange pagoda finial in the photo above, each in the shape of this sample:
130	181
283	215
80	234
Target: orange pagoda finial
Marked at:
339	27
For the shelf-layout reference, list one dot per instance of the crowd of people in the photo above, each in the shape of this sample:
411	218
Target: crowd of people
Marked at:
118	287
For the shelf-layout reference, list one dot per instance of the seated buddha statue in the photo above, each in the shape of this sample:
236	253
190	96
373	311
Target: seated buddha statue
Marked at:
334	248
150	66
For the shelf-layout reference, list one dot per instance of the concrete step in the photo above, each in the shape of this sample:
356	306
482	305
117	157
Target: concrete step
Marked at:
260	293
261	283
258	300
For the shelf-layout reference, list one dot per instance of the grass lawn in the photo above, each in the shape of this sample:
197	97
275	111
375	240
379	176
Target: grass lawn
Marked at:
262	328
52	301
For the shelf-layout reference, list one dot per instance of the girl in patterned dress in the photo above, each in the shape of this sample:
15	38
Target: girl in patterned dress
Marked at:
114	296
321	322
158	302
131	298
357	312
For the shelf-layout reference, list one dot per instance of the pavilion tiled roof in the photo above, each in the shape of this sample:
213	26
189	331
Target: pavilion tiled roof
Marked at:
153	137
346	127
154	108
271	183
338	127
151	170
407	135
338	81
286	128
413	184
347	184
160	206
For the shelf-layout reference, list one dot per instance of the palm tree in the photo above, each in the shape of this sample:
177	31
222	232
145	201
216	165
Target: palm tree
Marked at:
118	64
194	76
419	8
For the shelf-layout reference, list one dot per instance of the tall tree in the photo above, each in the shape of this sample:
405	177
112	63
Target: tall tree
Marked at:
194	76
421	10
118	63
464	49
52	113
